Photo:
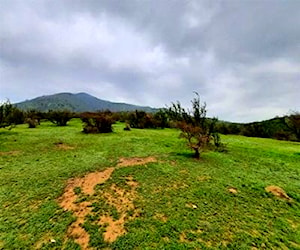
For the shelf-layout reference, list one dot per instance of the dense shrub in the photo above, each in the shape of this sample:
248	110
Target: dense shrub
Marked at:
293	123
141	119
60	118
33	118
35	115
99	122
32	123
10	115
161	119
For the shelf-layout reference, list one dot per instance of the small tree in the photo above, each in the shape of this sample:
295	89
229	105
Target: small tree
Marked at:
198	130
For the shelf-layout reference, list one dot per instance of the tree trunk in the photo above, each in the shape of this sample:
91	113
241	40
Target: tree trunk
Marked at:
197	153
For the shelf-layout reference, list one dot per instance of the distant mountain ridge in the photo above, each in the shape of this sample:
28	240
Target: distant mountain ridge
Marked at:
80	102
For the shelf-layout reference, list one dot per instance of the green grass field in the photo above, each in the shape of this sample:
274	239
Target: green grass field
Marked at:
181	203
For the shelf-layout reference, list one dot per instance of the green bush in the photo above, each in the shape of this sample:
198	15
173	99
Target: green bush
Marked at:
60	118
100	122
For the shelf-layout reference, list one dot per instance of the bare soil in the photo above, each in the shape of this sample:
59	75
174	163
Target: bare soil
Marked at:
81	209
121	199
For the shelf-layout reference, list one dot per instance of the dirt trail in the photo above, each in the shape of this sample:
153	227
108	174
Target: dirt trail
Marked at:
117	197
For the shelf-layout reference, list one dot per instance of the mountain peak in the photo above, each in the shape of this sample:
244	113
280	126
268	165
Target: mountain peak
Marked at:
79	102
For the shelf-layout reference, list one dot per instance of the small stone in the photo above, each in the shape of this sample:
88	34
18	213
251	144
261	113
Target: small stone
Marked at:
53	241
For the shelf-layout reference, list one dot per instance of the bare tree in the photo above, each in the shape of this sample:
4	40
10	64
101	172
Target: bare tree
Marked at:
198	130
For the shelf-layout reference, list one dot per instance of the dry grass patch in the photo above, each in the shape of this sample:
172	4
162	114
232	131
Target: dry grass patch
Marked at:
125	162
278	192
13	153
63	146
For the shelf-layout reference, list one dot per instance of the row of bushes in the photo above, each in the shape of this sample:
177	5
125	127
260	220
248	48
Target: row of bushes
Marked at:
283	128
94	122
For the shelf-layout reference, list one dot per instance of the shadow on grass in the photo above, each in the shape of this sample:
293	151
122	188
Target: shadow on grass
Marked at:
8	132
190	155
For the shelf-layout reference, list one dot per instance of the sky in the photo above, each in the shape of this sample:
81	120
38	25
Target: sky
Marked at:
242	57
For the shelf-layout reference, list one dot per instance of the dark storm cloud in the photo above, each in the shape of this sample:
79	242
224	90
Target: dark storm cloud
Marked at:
241	56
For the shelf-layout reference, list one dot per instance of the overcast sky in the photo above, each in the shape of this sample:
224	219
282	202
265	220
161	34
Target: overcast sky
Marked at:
242	57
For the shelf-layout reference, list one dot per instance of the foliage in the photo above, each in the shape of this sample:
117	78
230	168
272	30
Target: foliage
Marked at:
33	118
10	115
195	127
141	119
60	118
32	123
281	128
161	119
100	122
293	123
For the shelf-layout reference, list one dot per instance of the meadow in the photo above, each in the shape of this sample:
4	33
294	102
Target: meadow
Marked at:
156	195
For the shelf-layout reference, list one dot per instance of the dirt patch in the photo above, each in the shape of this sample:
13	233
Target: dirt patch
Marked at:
119	198
125	162
122	200
278	192
10	153
81	209
63	146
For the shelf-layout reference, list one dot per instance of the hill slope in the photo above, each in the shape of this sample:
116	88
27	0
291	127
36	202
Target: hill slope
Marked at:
80	102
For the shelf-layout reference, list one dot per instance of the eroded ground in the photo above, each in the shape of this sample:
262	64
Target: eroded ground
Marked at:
81	198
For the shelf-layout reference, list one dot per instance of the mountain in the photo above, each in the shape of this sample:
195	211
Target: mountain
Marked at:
80	102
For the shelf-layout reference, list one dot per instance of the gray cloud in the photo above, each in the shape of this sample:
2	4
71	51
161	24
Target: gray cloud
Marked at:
241	56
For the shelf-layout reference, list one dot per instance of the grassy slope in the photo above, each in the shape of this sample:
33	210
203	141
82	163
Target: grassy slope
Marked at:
33	176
